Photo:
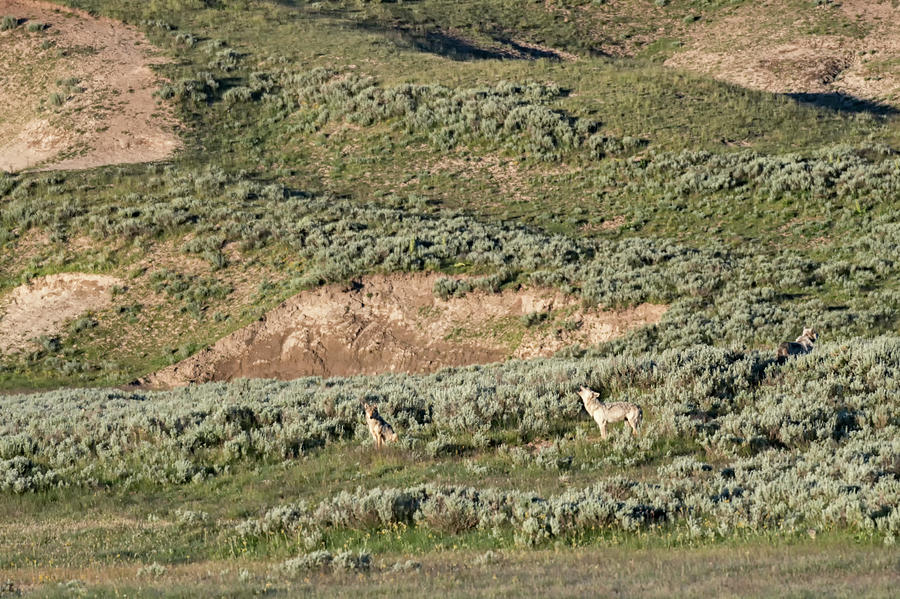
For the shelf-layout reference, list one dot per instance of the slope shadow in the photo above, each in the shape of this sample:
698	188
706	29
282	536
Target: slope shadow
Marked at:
841	102
530	52
435	40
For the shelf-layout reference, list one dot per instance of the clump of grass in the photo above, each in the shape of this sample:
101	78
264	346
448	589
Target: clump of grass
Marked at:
56	99
237	95
326	561
154	570
82	324
68	82
36	27
8	22
534	318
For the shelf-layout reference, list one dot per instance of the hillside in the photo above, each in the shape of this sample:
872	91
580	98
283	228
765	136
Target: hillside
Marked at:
461	211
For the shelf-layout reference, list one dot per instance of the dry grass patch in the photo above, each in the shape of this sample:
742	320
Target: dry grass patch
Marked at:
799	48
78	93
43	306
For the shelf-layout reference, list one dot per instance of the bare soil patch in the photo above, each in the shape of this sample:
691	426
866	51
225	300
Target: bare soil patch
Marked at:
396	324
851	49
100	70
44	305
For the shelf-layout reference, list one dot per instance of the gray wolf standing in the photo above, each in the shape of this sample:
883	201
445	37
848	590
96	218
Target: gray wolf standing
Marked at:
804	344
604	413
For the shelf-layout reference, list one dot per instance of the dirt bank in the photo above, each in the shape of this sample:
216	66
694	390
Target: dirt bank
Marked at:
396	324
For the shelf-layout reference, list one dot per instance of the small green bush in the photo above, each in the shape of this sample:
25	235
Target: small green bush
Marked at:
237	95
534	318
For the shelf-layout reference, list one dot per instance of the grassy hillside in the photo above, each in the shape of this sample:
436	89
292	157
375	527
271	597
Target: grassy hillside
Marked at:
294	105
263	484
519	143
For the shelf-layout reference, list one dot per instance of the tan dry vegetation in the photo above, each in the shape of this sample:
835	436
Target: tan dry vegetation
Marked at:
44	305
396	324
109	117
158	325
507	175
770	46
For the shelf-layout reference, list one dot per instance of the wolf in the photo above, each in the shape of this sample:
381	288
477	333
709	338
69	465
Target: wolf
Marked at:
604	413
803	345
381	430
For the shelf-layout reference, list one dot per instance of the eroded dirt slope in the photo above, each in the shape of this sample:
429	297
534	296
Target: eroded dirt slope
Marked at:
851	48
77	93
396	324
44	305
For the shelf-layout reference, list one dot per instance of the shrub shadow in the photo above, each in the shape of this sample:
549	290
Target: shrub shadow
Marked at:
841	102
447	44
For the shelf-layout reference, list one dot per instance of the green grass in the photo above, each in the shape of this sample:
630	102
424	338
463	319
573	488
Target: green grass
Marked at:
101	537
830	567
779	247
8	22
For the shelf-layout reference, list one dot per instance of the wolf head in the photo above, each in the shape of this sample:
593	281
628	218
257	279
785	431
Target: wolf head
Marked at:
810	334
371	410
586	394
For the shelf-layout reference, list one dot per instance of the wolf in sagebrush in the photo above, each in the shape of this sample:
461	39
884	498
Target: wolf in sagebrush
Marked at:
604	413
803	345
381	430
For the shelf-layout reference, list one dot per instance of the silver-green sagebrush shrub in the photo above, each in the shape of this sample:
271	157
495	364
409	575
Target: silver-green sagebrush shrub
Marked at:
326	561
812	442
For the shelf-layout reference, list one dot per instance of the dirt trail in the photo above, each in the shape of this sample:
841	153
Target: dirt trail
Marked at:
850	49
396	324
100	69
44	305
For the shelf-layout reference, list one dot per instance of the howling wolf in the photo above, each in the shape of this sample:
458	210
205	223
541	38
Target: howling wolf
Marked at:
381	430
604	413
803	345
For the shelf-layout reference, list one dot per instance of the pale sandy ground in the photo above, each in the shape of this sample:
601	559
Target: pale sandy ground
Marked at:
109	117
44	305
769	47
